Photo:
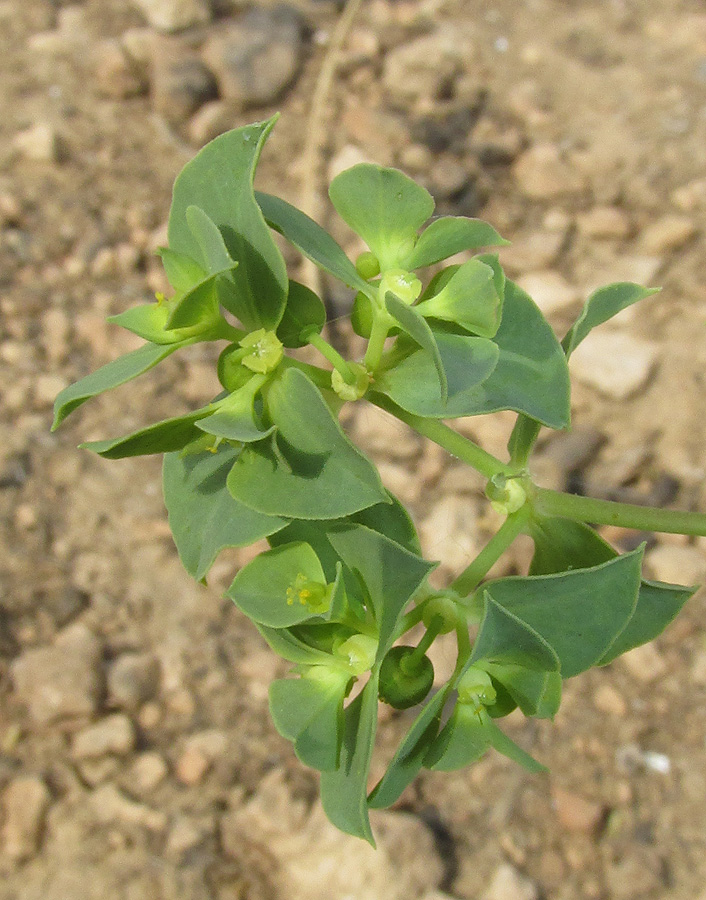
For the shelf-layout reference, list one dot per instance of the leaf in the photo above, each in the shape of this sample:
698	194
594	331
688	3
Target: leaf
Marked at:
219	181
343	792
235	418
416	327
463	740
505	638
469	299
579	613
203	516
182	271
265	588
383	206
390	573
162	437
292	648
537	693
503	744
410	755
450	235
413	383
111	375
602	305
311	239
304	310
317	473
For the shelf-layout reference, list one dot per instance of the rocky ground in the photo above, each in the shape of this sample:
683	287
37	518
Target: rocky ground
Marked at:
137	761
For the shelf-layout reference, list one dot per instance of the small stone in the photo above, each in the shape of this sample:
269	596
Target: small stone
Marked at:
576	813
146	773
532	252
116	74
606	699
677	565
509	884
604	222
10	209
550	291
348	156
449	176
133	678
112	736
175	15
645	664
98	771
181	83
614	363
111	806
256	57
638	875
214	118
56	332
638	268
63	681
450	531
185	835
40	143
667	234
419	72
192	766
542	174
25	804
397	479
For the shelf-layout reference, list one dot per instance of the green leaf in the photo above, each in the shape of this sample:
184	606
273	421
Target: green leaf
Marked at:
463	740
203	516
219	181
503	744
182	271
450	235
111	375
316	473
311	239
505	638
266	588
470	299
383	206
602	305
416	327
304	310
390	573
162	437
578	613
410	755
537	693
343	792
235	418
291	647
414	385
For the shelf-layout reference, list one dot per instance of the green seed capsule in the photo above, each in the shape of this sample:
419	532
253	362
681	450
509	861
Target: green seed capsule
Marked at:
402	689
367	265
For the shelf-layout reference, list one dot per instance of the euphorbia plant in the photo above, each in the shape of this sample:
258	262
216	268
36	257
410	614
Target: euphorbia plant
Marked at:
344	579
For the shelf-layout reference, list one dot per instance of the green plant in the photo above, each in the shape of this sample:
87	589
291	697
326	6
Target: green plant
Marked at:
344	579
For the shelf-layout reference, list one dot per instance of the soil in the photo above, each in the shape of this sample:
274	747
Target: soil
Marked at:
578	130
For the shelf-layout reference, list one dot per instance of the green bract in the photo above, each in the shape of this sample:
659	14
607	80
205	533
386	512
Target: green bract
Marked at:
344	579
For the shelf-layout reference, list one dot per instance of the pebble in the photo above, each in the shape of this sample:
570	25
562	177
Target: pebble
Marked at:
25	804
677	565
509	884
256	57
550	291
185	835
111	806
542	174
645	664
638	268
200	753
397	479
133	678
576	813
62	681
112	736
181	82
421	71
147	772
175	15
614	363
667	234
450	532
638	875
608	700
55	335
604	222
214	118
116	74
39	143
532	252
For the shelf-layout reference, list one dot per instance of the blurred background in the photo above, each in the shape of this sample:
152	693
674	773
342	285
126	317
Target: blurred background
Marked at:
137	759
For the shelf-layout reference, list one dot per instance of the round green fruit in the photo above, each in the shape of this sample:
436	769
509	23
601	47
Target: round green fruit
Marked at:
401	687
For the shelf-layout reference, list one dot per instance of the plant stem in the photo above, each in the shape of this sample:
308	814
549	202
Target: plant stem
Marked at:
472	575
445	437
320	377
376	343
332	355
411	663
625	515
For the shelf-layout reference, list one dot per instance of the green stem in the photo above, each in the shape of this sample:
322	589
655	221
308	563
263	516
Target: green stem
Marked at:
445	437
376	342
320	377
332	355
473	574
625	515
410	664
522	439
463	640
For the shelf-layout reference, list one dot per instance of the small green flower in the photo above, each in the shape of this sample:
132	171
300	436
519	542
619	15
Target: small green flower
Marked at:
402	284
315	596
264	351
359	652
353	391
476	689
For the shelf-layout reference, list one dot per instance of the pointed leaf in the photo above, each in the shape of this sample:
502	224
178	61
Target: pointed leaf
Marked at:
536	692
503	744
343	792
219	181
304	310
111	375
319	473
416	327
578	613
235	419
291	647
463	740
201	303
383	206
311	239
504	638
162	437
469	299
450	235
203	516
182	271
602	305
390	573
